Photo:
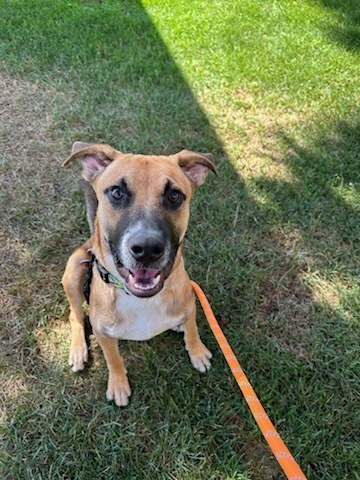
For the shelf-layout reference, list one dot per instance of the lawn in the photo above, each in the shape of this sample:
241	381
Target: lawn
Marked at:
272	89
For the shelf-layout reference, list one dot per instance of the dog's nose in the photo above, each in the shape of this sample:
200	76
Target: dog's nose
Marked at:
147	249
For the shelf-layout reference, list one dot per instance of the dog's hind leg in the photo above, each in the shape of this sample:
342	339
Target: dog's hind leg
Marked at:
199	355
73	283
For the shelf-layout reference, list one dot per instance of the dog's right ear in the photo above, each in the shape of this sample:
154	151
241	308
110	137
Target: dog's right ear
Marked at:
96	157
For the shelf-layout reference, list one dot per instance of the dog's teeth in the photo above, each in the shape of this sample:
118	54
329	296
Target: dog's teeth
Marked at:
147	286
143	287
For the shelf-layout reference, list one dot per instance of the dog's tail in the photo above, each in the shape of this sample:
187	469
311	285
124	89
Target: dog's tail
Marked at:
90	204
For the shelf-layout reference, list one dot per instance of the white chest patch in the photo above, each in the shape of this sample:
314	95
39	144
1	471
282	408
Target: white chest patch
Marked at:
140	318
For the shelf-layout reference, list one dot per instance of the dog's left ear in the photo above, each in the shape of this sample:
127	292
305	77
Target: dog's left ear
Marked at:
196	166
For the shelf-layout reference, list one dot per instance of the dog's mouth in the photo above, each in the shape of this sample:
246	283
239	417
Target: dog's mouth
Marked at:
144	282
141	282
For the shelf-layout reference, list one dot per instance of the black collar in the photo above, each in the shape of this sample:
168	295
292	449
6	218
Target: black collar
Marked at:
106	276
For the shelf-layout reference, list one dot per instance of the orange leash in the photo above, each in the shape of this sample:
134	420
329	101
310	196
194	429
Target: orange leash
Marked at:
278	447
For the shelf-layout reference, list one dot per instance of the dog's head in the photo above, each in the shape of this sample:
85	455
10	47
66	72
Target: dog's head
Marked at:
143	209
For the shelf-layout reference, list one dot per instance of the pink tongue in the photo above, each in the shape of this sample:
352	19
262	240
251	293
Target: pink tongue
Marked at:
144	274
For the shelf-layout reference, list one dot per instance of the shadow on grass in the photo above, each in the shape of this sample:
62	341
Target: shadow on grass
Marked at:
313	320
251	259
123	85
348	35
128	92
321	201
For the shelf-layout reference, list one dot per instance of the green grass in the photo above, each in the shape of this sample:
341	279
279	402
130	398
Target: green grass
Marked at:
271	88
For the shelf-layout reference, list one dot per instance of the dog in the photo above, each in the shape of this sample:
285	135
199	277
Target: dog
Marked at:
139	285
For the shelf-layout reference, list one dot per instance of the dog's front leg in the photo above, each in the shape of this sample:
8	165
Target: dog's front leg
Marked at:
199	355
118	385
73	283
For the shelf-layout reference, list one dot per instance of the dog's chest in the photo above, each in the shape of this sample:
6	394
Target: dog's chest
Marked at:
141	318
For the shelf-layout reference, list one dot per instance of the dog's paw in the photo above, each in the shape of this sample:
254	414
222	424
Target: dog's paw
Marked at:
118	390
78	355
200	358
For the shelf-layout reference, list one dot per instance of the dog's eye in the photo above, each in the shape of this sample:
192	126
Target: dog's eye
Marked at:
117	193
174	196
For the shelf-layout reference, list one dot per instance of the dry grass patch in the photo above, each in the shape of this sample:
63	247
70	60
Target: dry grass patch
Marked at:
35	216
251	133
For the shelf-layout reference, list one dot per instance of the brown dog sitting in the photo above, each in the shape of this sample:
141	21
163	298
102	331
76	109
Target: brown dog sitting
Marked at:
139	285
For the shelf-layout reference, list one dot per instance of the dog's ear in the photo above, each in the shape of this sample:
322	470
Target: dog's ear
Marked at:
77	146
96	157
196	166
